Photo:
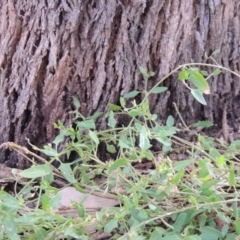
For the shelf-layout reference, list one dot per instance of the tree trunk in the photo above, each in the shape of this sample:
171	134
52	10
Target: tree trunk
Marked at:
53	50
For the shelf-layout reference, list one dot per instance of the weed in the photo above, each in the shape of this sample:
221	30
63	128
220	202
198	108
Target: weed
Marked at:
157	196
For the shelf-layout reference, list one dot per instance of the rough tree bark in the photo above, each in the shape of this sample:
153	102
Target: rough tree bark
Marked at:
54	49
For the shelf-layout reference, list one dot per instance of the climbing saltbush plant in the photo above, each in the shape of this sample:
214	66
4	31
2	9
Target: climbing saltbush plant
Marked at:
178	190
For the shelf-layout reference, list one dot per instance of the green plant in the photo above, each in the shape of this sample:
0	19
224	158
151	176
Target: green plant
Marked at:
193	198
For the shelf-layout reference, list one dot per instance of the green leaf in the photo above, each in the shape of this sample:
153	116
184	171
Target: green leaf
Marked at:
235	210
178	177
182	164
237	226
154	117
122	102
67	172
143	71
54	202
205	124
76	102
48	150
170	121
111	148
87	124
74	233
181	221
59	138
193	237
111	120
37	171
183	75
208	233
114	107
232	180
151	74
144	142
216	72
95	115
159	89
94	137
11	227
134	112
158	233
118	163
235	145
215	52
40	232
204	73
110	226
197	79
131	94
208	184
123	143
9	201
198	96
173	237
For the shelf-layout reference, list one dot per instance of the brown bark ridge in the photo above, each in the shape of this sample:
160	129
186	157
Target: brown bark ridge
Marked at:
53	50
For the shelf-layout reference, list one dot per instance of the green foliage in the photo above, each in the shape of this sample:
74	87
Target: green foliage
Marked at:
190	199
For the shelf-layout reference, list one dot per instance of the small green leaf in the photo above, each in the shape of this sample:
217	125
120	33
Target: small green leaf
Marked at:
197	79
9	201
143	71
87	124
159	89
122	102
94	137
181	221
216	72
208	184
210	233
232	180
81	210
144	142
114	107
37	171
111	120
237	226
205	124
123	143
74	233
118	163
40	232
204	73
48	150
193	200
95	115
170	121
235	210
54	202
235	145
134	112
67	172
59	138
183	75
182	164
131	94
154	117
111	148
110	226
178	177
198	96
76	102
215	52
151	74
158	233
